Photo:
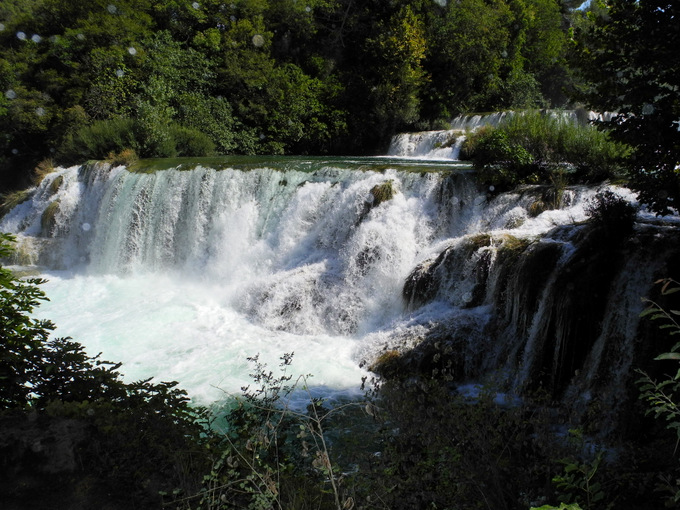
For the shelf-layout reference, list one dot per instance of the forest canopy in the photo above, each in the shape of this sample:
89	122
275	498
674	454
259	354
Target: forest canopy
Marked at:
189	78
264	76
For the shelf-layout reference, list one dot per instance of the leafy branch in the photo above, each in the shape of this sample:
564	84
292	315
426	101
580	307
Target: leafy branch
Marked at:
661	397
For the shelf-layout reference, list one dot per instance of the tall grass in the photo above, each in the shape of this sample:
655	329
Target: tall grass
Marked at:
554	143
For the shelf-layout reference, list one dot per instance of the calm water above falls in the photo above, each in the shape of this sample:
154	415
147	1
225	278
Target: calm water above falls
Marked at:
184	273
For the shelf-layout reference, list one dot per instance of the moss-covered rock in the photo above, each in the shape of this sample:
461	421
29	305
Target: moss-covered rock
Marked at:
465	261
382	192
56	184
388	364
48	222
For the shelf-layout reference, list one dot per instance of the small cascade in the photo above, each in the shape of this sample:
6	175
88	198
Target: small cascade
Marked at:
473	121
342	263
446	144
427	144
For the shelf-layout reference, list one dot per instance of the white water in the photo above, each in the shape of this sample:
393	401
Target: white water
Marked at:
446	144
182	275
185	274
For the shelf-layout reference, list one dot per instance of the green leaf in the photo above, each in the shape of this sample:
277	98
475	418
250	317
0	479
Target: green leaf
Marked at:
648	311
669	355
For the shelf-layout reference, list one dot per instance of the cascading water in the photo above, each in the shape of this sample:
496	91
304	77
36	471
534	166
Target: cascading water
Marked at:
446	144
183	274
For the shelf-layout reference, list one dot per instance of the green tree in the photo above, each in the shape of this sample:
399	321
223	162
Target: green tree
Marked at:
399	49
631	58
136	438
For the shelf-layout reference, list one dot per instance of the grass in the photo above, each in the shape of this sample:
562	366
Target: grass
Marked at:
12	199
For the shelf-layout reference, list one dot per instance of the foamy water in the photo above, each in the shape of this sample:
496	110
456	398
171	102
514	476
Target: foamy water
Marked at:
172	329
183	275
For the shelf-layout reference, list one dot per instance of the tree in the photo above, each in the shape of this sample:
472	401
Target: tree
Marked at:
136	437
631	58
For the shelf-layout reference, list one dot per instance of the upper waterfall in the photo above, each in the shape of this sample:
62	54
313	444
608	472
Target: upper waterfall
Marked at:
446	144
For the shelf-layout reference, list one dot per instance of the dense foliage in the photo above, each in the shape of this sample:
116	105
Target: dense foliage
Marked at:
73	435
631	60
535	147
72	429
262	76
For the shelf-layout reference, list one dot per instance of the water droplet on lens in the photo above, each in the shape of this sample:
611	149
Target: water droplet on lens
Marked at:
21	36
10	94
262	137
36	38
15	151
86	227
258	40
111	8
492	187
40	111
308	8
196	5
80	37
132	50
120	73
647	109
2	27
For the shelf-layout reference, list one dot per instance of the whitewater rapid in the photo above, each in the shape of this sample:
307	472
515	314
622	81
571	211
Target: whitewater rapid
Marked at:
184	274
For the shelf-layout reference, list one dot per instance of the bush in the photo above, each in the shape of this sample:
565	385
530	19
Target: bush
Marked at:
530	147
502	162
99	139
441	449
612	213
663	397
191	142
130	440
125	157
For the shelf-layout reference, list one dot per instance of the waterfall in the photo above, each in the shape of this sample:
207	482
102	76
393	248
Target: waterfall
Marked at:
427	144
185	272
446	144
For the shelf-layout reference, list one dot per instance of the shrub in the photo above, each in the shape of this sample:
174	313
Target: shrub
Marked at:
530	147
191	142
10	200
501	162
98	140
43	168
441	449
612	213
131	440
125	157
663	397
